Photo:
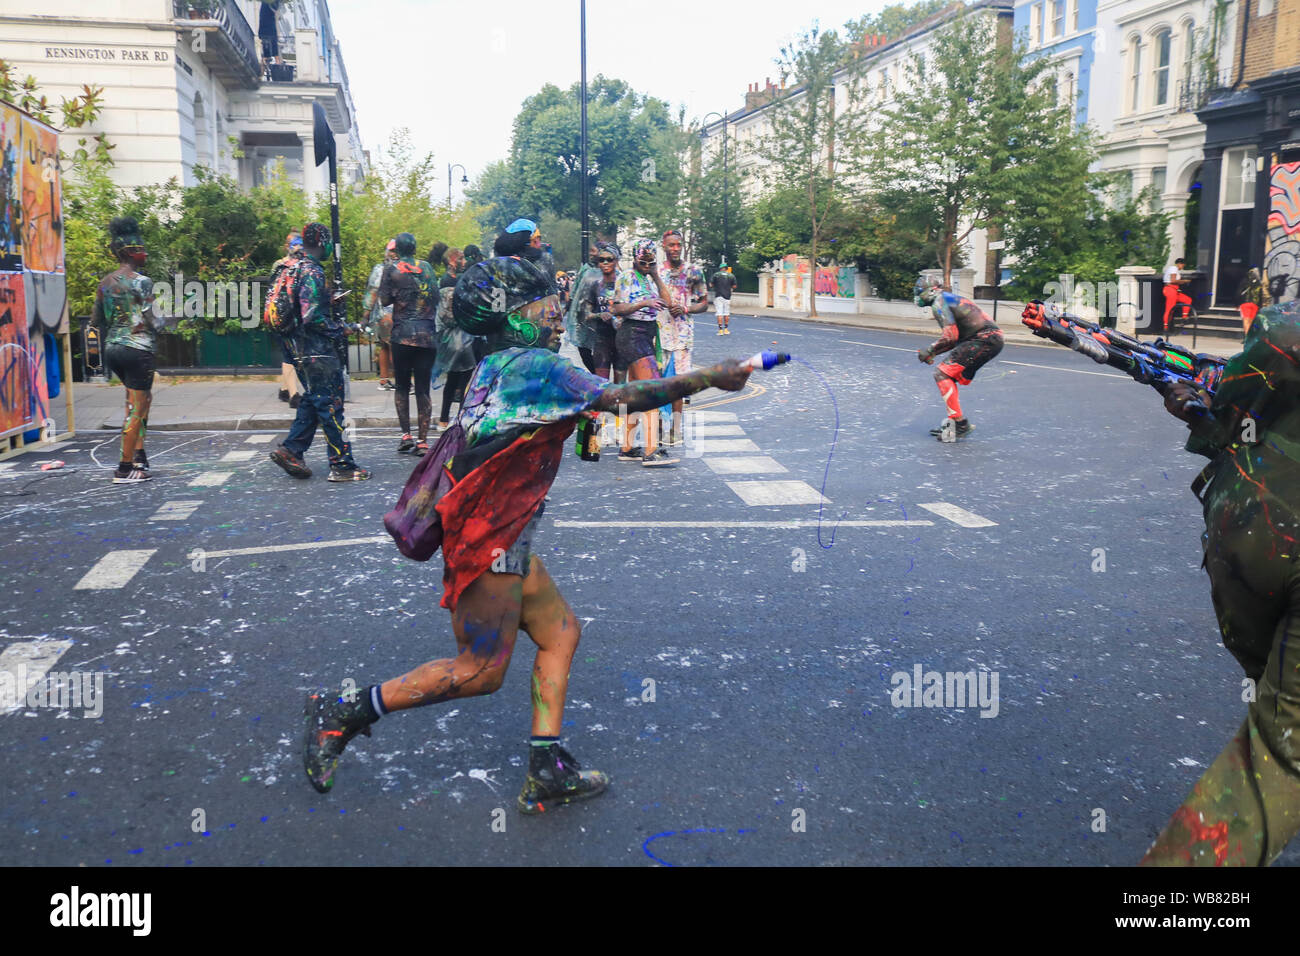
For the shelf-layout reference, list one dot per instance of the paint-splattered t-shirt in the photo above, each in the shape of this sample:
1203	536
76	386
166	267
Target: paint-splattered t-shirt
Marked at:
685	288
126	303
518	387
411	288
632	286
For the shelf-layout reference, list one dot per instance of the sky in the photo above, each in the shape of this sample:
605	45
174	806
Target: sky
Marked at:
455	74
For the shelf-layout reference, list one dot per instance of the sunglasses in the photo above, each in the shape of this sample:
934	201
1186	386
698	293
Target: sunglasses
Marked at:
606	259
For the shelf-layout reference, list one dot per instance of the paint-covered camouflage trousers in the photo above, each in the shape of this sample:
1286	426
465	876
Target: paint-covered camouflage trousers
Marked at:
1246	806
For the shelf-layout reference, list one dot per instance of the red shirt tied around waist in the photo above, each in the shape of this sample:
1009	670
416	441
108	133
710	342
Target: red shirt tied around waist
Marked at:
1174	294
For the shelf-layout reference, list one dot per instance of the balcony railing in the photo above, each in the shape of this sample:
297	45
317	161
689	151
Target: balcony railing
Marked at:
234	30
1193	94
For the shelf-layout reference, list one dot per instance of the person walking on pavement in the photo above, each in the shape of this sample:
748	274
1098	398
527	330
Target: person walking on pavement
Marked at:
520	409
971	338
724	283
290	387
688	296
411	288
639	295
124	299
1251	297
314	344
381	319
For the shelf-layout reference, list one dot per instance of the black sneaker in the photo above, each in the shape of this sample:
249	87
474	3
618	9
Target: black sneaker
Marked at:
555	778
406	445
284	394
128	475
331	723
295	401
635	454
658	459
347	473
290	462
962	428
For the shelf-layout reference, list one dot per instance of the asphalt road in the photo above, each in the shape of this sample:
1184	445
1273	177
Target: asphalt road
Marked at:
771	737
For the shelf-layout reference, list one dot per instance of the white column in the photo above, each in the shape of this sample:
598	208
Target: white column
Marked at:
1126	315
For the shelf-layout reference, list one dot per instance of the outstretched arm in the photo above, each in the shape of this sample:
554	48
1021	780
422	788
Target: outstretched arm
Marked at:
651	393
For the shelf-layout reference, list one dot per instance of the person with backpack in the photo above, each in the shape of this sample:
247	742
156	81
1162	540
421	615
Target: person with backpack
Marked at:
411	288
300	310
125	300
493	469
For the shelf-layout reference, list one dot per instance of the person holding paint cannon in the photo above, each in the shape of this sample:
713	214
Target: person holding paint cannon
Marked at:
971	340
479	496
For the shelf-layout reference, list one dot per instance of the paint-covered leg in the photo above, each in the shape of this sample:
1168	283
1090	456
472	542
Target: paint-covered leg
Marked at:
554	777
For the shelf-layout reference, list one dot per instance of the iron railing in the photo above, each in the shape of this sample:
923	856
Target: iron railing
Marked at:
1194	93
232	22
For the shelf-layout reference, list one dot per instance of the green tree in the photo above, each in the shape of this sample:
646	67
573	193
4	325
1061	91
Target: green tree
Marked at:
812	148
976	137
703	210
634	159
895	19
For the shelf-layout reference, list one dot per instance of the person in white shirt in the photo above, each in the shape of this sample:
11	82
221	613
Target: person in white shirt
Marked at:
1174	294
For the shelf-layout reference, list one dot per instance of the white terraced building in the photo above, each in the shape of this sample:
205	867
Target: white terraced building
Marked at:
185	84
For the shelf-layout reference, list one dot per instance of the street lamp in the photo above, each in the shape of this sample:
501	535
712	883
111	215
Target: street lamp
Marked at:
464	179
703	123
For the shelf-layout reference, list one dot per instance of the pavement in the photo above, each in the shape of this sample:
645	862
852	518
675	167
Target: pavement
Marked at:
240	403
747	618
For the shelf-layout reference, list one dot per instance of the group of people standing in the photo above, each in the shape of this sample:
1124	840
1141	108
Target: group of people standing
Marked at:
638	324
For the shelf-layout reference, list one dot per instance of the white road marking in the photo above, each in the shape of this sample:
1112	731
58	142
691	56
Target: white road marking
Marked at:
211	479
872	345
175	510
27	662
787	523
757	493
305	546
797	335
958	515
259	439
714	431
114	570
710	417
754	465
707	445
6	465
240	454
1076	371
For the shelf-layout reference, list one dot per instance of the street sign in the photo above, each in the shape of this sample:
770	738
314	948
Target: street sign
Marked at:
998	244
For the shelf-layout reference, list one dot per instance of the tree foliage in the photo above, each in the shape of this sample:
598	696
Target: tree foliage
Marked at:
634	154
977	137
814	148
703	210
894	19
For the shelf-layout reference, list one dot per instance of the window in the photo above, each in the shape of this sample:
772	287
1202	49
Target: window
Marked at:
1135	75
1067	90
1058	18
1189	54
1158	179
1160	73
1036	24
1074	16
1239	177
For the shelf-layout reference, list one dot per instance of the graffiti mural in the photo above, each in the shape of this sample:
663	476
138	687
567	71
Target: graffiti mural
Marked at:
11	214
839	281
1282	245
33	284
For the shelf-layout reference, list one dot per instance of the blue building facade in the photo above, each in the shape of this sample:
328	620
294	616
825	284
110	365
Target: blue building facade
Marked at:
1065	31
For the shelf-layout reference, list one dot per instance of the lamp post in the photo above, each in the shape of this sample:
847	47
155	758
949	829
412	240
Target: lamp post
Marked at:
722	116
585	245
464	179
